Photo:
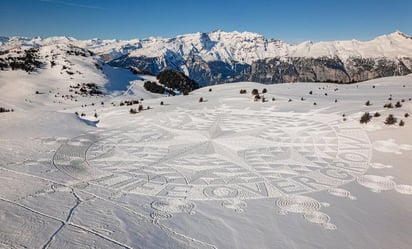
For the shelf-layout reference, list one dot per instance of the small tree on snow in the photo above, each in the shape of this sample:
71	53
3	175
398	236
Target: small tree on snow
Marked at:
390	120
365	118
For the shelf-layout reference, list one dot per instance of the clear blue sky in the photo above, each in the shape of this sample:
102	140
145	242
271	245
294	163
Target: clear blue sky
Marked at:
293	21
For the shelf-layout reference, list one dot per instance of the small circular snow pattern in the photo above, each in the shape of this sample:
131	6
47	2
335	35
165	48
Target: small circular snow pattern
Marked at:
298	204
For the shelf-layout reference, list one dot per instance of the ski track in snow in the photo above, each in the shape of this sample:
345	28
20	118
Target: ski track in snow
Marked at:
78	201
162	167
67	220
227	154
64	222
90	158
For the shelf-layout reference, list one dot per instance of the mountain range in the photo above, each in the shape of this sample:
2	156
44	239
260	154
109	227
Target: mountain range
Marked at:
218	56
97	156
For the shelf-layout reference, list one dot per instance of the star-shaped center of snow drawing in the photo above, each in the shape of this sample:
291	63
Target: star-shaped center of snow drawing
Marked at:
224	153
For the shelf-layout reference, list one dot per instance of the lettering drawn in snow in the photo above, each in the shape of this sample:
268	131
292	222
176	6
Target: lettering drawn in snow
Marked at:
229	155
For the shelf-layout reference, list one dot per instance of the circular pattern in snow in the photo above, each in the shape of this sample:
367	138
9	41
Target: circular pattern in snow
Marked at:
173	206
389	146
221	154
298	204
341	193
235	204
329	226
380	166
159	215
317	217
404	189
376	183
307	206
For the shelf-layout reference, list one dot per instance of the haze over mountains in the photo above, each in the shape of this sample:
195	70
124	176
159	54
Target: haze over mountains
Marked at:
218	56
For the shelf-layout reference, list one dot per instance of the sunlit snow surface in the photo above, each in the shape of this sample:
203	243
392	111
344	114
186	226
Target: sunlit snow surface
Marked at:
227	172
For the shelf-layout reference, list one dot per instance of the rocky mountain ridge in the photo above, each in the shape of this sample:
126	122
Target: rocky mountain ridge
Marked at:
218	56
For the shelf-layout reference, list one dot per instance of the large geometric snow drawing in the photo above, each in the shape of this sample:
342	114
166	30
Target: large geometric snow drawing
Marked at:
221	154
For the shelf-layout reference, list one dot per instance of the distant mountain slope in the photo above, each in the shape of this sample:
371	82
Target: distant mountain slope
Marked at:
219	56
248	47
60	74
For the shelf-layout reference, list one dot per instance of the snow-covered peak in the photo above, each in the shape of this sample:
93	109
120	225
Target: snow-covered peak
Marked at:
399	34
218	45
393	45
57	40
247	47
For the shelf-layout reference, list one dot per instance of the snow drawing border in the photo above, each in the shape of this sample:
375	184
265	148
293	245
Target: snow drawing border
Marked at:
221	154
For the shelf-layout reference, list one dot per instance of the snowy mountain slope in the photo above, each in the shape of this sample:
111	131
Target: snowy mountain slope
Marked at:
248	47
232	46
227	172
394	45
218	56
65	76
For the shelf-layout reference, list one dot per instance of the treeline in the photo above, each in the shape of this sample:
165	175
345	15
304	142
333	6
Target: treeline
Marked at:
177	80
171	81
28	62
2	109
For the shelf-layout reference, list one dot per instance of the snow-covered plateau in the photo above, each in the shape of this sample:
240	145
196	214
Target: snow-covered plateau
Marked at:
90	159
